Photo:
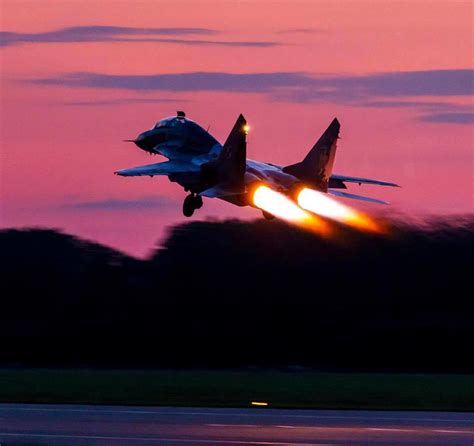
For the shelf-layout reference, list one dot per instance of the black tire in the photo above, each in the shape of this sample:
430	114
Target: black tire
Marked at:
188	206
198	202
267	215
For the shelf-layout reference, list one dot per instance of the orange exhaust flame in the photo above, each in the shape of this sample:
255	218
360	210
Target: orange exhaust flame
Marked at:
321	204
282	207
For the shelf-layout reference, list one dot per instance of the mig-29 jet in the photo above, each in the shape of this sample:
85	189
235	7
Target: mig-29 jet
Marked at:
205	168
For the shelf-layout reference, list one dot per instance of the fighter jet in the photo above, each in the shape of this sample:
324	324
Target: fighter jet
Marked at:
205	168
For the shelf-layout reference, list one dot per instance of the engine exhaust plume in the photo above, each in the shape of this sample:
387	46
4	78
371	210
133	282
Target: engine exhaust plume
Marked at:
282	207
323	205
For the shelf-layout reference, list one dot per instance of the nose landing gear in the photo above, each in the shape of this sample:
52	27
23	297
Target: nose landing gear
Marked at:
191	203
198	201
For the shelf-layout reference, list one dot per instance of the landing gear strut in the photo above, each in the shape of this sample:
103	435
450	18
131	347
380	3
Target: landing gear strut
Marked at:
191	203
198	201
267	215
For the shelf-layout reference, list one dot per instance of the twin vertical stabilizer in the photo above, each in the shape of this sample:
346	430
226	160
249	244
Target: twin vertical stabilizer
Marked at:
315	170
226	174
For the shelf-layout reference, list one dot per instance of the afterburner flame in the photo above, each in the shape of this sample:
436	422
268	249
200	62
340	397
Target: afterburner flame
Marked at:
282	207
321	204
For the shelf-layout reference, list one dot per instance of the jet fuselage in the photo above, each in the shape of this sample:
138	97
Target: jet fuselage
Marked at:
184	141
205	168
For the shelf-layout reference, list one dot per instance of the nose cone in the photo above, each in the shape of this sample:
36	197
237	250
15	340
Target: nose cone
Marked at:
140	140
149	140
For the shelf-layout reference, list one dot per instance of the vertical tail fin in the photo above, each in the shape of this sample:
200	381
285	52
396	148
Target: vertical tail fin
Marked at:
231	161
316	168
227	172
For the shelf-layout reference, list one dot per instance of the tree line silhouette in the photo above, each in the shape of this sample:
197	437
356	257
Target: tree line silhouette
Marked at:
239	294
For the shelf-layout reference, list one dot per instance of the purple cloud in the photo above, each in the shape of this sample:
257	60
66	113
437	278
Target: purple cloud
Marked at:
398	89
120	101
293	86
99	33
450	118
441	112
196	81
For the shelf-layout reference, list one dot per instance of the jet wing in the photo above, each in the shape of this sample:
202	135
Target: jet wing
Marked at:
220	192
355	197
347	179
165	168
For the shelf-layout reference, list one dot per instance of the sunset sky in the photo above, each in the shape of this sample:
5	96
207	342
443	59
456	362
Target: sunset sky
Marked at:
78	77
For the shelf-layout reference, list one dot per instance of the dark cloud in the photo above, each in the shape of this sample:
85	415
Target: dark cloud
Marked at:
290	86
347	88
384	90
408	104
120	101
115	204
442	112
237	43
450	118
95	33
416	83
122	34
196	81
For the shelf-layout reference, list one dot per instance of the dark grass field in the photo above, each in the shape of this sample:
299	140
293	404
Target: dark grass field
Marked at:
299	389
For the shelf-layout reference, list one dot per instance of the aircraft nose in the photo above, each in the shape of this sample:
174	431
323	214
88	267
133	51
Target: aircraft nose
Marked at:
144	141
140	140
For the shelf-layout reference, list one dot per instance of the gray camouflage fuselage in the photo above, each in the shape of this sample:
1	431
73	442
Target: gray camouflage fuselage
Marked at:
188	146
206	168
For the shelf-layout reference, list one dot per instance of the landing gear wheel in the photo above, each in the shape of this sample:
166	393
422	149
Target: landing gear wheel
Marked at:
189	206
198	202
267	215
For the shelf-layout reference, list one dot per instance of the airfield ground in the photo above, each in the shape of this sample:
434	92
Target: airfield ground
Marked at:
282	389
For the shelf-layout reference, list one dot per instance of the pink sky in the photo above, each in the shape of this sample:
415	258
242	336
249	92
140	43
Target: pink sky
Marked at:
61	142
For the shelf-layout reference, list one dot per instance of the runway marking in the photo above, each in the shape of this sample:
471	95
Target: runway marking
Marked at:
446	431
176	440
234	425
231	414
339	428
387	429
272	426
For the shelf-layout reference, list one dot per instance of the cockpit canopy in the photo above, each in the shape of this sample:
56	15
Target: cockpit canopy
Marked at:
176	130
170	122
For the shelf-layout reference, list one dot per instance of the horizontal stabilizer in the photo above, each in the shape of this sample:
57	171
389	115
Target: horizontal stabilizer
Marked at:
347	179
166	168
355	197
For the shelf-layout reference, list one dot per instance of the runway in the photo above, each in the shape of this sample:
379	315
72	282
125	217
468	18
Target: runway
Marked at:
74	425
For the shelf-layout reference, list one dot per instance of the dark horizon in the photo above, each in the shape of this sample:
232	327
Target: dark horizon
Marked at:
238	294
392	224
